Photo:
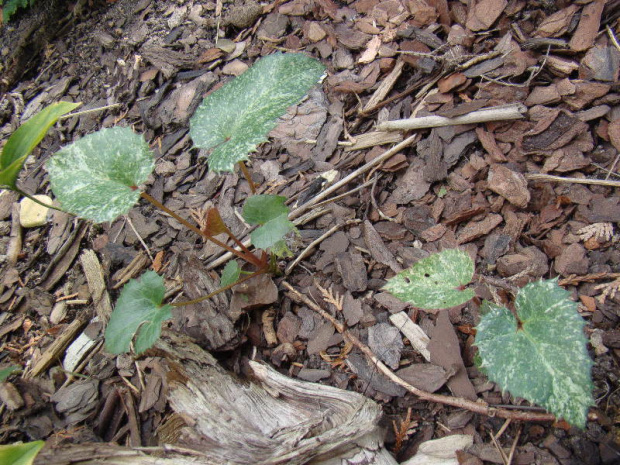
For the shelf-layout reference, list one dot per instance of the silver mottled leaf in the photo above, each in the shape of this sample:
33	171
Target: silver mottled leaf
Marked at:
435	282
542	357
237	117
97	176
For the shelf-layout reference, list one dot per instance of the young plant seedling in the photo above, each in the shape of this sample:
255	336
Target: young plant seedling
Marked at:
537	353
98	178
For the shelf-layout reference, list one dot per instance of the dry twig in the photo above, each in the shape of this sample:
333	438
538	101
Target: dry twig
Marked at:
550	177
479	407
499	113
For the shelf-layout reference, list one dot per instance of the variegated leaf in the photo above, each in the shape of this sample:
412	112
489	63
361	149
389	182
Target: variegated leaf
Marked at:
98	176
435	282
237	117
542	357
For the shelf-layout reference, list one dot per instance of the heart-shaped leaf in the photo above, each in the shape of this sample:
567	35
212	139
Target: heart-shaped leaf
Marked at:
542	357
271	234
259	209
138	315
98	176
237	117
435	282
271	213
26	138
20	454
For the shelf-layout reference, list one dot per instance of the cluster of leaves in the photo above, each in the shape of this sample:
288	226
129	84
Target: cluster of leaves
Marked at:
538	353
10	7
98	178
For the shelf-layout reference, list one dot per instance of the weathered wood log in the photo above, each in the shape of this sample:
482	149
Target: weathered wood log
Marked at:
222	419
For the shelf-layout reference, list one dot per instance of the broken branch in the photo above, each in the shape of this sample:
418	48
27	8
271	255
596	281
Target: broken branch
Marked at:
499	113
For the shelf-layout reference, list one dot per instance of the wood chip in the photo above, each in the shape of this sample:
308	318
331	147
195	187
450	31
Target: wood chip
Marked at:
589	24
96	284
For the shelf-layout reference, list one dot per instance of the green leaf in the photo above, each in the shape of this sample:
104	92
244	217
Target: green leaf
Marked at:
542	357
138	315
97	176
23	141
259	209
8	371
234	119
271	233
230	273
9	7
20	454
435	282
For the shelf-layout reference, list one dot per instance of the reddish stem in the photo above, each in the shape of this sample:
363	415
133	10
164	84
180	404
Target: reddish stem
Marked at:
220	290
245	255
248	177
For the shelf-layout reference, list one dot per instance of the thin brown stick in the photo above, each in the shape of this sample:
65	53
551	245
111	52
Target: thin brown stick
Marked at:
498	113
479	407
552	178
499	449
344	181
514	445
316	242
253	259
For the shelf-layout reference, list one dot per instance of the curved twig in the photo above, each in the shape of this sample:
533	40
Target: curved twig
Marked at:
480	406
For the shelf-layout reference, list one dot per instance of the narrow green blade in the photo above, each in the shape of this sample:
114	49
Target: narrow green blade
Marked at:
26	138
20	454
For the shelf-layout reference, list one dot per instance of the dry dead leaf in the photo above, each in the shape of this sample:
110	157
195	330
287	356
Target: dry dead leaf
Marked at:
603	231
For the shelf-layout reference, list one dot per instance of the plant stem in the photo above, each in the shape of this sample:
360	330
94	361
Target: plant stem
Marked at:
247	176
220	290
236	240
35	200
248	257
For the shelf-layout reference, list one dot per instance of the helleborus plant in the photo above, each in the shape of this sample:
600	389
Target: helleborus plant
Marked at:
537	353
99	176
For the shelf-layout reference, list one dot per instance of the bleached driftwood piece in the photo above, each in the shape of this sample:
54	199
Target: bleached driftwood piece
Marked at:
499	113
416	335
222	419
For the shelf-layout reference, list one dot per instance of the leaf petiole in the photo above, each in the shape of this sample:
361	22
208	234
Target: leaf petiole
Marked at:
35	200
245	256
221	289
